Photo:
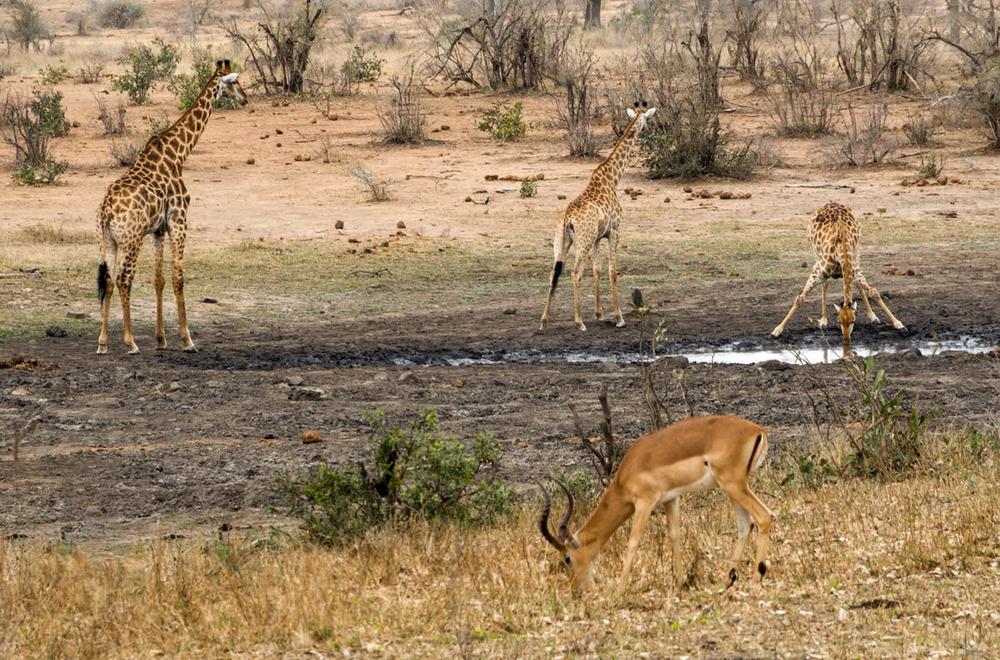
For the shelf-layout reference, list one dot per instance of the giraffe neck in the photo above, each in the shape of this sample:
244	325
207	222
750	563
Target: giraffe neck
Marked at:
183	135
617	160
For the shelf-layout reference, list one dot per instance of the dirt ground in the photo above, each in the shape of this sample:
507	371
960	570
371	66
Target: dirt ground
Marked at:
171	443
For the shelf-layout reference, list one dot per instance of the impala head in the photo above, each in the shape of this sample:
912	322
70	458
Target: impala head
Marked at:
229	86
845	315
564	541
643	113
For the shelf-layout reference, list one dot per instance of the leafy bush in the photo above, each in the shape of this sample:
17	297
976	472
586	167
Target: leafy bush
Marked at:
687	141
143	67
921	131
362	66
186	87
90	73
30	175
26	28
504	122
986	101
7	69
119	14
48	109
53	75
529	188
415	472
28	125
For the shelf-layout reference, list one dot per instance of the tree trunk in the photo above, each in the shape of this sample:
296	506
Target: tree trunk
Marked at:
592	17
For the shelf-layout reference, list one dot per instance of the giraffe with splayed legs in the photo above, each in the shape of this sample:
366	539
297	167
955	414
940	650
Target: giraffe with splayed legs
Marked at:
595	214
151	198
834	233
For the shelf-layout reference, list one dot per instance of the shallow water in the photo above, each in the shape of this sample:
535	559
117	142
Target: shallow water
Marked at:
727	354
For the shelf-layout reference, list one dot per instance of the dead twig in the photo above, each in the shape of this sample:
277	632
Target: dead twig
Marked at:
371	273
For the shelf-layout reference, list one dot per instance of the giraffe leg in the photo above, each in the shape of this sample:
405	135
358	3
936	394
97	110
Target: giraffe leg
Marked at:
674	531
111	259
869	312
595	267
125	277
158	284
177	249
868	289
639	519
613	276
814	277
581	254
823	322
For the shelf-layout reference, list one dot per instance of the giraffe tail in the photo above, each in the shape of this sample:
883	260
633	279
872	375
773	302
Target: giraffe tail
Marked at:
102	281
561	242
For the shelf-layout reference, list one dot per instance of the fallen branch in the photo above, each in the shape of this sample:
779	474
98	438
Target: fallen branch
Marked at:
513	177
371	273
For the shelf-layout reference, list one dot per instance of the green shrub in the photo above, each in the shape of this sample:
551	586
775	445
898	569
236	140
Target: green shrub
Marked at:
416	472
48	109
28	125
143	67
686	141
186	87
362	66
119	14
26	27
504	122
31	175
529	188
53	75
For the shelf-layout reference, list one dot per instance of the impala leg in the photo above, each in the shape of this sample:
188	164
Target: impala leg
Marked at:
868	289
595	268
639	520
762	518
743	526
674	532
814	277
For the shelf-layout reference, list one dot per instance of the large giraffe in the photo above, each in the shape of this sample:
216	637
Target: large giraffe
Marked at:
834	233
593	215
151	199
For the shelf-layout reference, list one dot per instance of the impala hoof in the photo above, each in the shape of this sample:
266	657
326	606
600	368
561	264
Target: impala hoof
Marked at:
102	350
822	323
133	350
190	349
875	320
903	330
620	324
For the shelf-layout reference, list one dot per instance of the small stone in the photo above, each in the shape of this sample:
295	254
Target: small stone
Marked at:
311	437
774	365
77	315
510	311
912	352
250	161
458	382
174	386
880	209
676	362
353	240
339	224
666	200
210	300
306	394
277	144
804	264
407	377
445	127
560	196
214	384
468	199
55	331
19	391
298	158
295	380
400	225
278	131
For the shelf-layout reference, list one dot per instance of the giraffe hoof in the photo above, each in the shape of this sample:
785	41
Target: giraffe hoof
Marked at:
161	345
776	332
620	323
582	326
133	350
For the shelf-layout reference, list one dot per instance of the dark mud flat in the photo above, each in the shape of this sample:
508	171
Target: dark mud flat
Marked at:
167	442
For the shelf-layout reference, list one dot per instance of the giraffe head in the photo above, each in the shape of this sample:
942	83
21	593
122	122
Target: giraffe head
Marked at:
640	115
845	315
229	86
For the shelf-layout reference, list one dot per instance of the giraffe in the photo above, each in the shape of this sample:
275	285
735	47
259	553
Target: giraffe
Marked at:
593	215
834	233
151	199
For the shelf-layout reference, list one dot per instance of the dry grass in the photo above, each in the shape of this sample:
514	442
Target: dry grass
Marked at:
916	561
48	233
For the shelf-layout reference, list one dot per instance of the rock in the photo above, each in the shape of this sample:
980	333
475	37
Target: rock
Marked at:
77	315
55	331
676	362
311	437
458	382
210	301
174	386
295	380
445	127
774	365
560	196
19	391
306	394
250	161
804	264
400	225
214	384
510	311
339	224
407	377
278	131
913	351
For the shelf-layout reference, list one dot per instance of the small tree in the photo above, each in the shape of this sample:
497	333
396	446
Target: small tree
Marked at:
403	118
27	29
576	75
144	66
28	125
280	48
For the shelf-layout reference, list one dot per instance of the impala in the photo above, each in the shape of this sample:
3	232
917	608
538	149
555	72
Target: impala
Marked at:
692	455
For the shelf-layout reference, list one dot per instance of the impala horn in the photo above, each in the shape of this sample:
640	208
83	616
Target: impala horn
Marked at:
564	532
543	521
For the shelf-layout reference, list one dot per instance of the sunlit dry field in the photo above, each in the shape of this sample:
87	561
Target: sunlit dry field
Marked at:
140	515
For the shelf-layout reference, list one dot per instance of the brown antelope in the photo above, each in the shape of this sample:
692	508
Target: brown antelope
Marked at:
692	455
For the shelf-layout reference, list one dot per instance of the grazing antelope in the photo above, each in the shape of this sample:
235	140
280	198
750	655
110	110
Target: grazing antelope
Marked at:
692	455
593	215
834	233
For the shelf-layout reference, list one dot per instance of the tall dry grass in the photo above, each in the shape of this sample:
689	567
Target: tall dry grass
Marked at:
858	568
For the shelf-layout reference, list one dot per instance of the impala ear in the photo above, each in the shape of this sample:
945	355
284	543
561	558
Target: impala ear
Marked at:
631	113
230	78
836	307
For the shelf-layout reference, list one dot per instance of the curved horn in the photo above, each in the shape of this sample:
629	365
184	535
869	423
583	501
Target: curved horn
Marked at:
564	525
543	521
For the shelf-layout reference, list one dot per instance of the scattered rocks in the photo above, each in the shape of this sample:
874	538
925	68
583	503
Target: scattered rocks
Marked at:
295	381
676	362
55	331
400	225
306	394
311	437
721	194
174	386
250	161
893	270
560	196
